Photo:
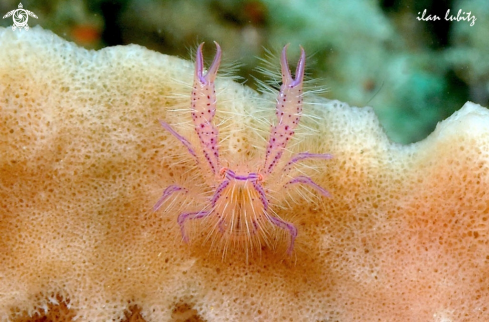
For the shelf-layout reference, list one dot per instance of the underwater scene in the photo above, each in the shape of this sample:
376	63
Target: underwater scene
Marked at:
253	160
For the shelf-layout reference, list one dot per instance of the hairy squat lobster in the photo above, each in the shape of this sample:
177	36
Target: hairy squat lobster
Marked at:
239	204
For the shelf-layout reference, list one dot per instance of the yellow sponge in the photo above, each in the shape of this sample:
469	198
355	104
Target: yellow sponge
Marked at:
83	159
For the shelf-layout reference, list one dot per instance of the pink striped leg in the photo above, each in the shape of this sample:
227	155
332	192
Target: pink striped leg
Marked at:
166	194
308	181
189	216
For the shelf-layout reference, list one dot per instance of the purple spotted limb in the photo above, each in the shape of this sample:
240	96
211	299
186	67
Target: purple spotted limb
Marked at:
239	203
288	110
203	107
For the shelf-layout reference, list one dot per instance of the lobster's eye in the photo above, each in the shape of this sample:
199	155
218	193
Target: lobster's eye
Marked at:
260	177
222	172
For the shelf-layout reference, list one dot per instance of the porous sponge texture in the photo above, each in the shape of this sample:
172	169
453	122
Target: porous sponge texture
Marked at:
83	160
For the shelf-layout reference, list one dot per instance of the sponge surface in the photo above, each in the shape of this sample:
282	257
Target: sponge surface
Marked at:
83	159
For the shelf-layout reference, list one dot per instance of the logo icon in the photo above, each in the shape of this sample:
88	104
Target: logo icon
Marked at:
20	17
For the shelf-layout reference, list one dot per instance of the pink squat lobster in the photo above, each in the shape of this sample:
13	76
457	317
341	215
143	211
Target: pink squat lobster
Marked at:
240	202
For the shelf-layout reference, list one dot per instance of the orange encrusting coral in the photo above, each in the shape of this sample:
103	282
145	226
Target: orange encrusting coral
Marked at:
83	160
